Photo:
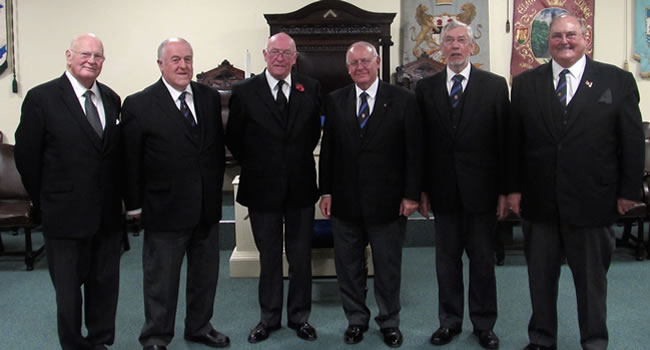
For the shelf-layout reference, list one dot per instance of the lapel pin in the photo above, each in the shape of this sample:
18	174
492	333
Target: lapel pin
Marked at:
588	83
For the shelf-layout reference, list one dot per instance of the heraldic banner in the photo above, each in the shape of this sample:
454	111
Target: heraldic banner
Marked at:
532	19
3	36
642	36
422	21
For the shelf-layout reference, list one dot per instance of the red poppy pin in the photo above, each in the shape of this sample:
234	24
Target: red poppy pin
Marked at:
300	87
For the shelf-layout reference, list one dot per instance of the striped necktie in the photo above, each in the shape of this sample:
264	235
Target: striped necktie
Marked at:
364	110
561	89
456	90
185	110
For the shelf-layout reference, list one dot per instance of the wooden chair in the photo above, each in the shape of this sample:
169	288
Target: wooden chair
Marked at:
15	206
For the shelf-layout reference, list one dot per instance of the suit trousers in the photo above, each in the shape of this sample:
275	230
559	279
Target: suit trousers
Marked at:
588	252
386	240
474	234
93	262
162	258
268	232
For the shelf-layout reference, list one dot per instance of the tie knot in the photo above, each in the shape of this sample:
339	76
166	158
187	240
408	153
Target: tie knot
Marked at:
88	94
363	96
457	78
280	83
564	72
182	96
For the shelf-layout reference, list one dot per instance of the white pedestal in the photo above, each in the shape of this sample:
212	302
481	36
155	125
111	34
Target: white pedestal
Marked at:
244	261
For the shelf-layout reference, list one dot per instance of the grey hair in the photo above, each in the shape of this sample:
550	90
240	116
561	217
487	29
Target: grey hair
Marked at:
361	43
161	47
455	24
583	25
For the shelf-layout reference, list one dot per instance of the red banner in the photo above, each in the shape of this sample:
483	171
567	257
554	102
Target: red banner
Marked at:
532	19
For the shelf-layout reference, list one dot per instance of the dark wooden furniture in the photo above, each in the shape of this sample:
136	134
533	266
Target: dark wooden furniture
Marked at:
222	78
409	74
15	206
323	31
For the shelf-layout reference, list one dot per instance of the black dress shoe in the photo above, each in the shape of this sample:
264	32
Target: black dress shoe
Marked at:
304	330
443	335
261	332
392	337
154	347
354	334
487	339
212	338
539	347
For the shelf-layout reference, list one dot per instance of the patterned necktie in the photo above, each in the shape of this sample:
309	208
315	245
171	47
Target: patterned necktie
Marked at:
281	99
561	89
364	110
456	90
185	110
92	114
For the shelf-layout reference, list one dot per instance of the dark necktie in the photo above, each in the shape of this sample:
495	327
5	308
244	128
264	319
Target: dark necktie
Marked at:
185	110
92	114
281	99
561	89
364	109
456	90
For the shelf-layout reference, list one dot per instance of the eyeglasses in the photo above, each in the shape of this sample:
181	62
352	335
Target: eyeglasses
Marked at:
461	40
285	53
87	55
364	62
570	36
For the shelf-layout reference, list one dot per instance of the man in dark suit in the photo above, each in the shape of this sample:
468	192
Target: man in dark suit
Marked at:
370	165
273	128
68	155
174	151
576	160
464	110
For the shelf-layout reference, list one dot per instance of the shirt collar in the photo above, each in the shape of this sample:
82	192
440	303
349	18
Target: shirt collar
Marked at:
576	70
371	91
273	82
80	90
175	93
465	72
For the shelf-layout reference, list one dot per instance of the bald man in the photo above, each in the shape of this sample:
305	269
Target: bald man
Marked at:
273	128
68	155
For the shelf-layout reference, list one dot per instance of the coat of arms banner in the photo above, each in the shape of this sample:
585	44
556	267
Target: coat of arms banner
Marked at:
532	19
642	36
422	21
3	36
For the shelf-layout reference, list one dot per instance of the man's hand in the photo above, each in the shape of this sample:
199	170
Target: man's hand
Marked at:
326	206
624	205
513	202
407	207
425	206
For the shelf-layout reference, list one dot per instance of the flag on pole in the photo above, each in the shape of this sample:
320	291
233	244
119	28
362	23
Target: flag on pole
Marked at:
3	36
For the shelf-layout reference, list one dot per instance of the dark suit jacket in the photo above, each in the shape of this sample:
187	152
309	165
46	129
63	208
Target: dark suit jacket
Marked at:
368	177
176	180
71	175
575	172
277	160
464	166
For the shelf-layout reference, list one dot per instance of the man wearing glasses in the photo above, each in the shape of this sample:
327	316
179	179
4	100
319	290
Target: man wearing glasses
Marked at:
273	128
69	158
576	156
370	181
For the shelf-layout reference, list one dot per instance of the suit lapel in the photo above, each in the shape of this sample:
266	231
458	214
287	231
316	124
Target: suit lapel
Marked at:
200	103
441	102
545	91
471	98
264	93
295	100
351	123
382	103
111	112
72	103
585	94
168	106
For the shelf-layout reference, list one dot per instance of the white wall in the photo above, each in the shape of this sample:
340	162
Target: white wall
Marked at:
218	29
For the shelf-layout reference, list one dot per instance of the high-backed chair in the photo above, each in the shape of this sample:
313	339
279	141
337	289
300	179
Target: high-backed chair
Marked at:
15	205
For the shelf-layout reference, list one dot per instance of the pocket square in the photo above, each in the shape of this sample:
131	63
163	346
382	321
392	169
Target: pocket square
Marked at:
606	97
